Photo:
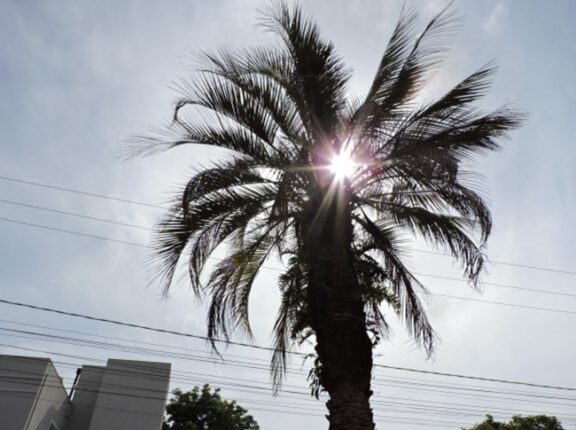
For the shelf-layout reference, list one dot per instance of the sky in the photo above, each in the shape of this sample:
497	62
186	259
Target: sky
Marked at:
79	78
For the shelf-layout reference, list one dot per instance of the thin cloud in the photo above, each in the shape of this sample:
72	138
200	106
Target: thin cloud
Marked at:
495	21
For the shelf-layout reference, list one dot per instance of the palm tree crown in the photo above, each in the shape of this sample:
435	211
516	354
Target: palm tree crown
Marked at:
284	117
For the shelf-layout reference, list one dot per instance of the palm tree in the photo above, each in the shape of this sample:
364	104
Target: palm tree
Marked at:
331	188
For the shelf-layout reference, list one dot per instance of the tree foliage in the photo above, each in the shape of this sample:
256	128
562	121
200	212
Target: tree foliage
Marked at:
517	422
282	114
204	409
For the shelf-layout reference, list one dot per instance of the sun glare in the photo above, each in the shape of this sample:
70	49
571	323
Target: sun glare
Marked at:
342	165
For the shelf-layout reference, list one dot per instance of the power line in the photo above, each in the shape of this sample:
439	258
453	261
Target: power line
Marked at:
505	263
187	377
496	284
87	405
418	383
512	305
132	325
75	214
140	245
163	347
245	365
178	333
124	242
248	365
420	387
405	383
408	405
104	196
109	221
287	410
433	408
479	392
477	378
76	191
299	407
75	233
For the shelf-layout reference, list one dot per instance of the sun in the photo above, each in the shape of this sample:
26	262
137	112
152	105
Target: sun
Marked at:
343	165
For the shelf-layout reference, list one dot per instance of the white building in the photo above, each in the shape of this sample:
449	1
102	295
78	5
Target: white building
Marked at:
124	395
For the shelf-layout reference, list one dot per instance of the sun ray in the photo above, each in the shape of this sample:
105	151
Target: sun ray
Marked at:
343	165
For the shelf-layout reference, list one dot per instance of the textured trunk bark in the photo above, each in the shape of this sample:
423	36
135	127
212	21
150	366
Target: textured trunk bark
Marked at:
337	316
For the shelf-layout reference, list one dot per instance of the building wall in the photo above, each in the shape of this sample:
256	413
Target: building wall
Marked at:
132	396
124	395
84	397
20	381
52	405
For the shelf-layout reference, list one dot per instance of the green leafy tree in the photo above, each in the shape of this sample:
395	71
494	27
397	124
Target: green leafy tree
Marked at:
517	422
330	185
204	409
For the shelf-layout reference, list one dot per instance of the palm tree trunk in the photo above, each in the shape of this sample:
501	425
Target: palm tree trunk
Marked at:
338	319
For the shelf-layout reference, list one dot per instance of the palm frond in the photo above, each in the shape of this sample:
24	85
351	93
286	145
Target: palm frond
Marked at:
236	172
247	74
446	230
201	224
403	71
215	234
394	56
374	281
318	73
468	91
229	102
230	284
426	53
458	136
403	283
237	139
291	317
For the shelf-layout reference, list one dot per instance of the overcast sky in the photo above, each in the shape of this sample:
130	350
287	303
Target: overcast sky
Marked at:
77	78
